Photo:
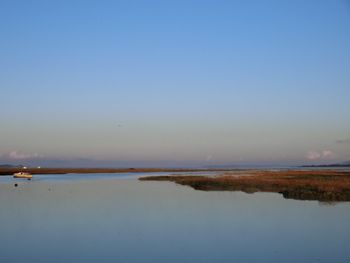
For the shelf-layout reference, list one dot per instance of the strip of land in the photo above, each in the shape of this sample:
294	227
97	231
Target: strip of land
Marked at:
10	171
326	185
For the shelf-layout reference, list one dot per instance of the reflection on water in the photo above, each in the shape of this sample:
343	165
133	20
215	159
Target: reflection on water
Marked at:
116	218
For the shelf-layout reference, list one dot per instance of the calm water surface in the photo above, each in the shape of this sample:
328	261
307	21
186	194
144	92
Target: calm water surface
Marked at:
116	218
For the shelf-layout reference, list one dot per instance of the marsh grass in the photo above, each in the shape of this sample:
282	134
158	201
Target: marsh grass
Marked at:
303	185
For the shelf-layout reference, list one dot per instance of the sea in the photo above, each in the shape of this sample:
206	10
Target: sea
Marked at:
118	218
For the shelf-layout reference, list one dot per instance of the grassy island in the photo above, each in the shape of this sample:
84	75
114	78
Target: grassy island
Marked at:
326	185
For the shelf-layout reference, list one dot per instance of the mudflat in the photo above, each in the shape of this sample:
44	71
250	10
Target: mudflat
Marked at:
321	185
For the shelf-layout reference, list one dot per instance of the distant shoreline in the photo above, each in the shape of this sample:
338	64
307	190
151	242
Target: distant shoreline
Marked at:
74	170
12	170
327	166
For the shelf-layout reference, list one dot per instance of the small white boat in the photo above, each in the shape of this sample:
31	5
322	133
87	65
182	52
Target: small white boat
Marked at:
22	175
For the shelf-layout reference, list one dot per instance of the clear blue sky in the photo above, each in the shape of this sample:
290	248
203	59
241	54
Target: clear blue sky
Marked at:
174	82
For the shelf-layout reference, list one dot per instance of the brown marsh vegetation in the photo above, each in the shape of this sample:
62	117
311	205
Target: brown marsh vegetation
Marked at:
326	185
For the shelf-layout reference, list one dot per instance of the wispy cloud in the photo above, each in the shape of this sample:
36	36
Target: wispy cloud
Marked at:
343	141
16	155
313	155
320	155
208	158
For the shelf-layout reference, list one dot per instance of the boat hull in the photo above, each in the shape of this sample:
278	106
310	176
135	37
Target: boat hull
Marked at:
26	176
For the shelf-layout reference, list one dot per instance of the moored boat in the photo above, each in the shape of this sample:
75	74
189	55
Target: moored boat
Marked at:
22	175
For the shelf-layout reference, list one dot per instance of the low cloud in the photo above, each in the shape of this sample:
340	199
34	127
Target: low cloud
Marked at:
327	154
16	155
320	155
313	155
343	141
209	157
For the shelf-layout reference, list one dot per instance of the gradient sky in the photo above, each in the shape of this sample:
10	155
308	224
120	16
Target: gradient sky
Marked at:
174	82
